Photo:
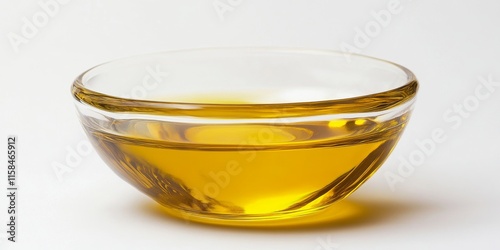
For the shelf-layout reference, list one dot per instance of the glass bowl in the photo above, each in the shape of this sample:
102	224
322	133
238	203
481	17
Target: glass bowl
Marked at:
242	135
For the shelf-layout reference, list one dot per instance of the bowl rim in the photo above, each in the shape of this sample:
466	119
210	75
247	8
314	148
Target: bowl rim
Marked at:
374	102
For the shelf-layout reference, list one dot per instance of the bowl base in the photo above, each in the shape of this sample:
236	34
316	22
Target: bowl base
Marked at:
339	213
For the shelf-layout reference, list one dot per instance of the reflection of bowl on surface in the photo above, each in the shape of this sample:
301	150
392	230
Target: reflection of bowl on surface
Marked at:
248	133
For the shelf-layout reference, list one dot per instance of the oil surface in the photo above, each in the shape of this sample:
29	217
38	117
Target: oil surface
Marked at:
249	170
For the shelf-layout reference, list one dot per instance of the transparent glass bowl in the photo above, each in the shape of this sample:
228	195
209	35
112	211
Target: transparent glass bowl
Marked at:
242	135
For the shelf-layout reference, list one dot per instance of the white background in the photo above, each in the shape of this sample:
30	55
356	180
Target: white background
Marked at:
451	200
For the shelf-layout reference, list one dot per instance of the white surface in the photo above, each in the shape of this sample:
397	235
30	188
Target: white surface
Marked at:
450	201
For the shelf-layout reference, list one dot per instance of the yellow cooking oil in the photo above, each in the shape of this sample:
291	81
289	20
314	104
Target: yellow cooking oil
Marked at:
227	169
